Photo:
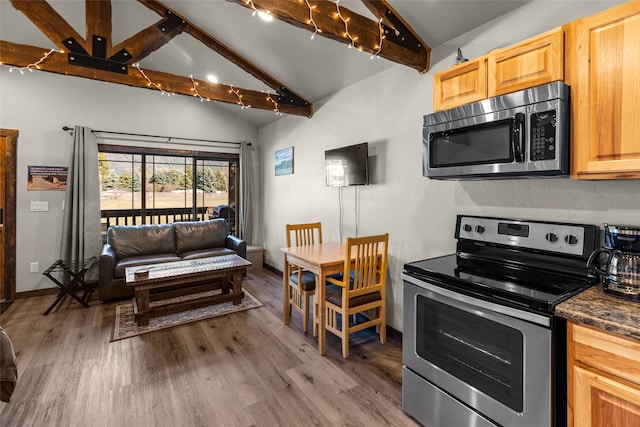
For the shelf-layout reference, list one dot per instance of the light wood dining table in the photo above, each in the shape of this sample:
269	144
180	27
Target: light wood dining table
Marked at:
321	259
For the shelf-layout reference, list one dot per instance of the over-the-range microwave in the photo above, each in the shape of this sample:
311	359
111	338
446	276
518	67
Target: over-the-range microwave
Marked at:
523	134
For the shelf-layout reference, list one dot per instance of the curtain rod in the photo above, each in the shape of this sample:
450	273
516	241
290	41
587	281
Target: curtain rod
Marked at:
67	128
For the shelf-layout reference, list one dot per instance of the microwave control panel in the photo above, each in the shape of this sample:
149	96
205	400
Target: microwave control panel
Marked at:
543	135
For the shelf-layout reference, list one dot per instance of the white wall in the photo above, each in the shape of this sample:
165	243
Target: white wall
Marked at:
38	104
419	214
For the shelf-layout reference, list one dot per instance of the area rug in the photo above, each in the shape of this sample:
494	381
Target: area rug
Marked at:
125	325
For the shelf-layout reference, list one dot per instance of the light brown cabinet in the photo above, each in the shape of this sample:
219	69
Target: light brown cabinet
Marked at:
603	378
603	70
533	62
462	84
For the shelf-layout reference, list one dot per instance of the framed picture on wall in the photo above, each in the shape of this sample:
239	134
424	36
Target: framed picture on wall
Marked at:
284	161
47	178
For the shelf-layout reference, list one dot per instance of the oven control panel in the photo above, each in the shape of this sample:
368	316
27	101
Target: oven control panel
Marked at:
537	235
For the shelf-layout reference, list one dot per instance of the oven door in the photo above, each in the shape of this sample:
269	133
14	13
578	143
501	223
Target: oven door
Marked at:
482	145
479	353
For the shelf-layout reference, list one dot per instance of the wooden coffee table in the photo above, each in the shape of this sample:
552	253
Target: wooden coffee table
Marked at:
185	277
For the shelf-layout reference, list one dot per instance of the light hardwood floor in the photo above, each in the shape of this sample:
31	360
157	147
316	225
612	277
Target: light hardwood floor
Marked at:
243	369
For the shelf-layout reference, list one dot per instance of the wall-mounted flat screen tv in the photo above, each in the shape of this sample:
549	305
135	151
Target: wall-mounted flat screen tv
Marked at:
347	165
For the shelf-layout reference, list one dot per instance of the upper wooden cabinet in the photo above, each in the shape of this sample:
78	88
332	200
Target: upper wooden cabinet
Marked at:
533	62
603	378
603	70
462	84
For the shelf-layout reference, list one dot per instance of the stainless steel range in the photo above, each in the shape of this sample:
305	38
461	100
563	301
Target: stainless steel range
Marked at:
482	346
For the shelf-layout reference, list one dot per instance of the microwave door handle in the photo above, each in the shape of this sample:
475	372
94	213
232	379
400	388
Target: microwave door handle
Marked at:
517	138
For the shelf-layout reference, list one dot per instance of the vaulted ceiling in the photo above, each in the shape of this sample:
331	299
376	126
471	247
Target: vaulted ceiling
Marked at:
311	50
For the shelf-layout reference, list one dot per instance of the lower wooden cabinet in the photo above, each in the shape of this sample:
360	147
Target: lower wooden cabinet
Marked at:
603	378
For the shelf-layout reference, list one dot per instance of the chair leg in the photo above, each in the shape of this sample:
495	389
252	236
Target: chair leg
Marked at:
305	313
345	336
286	300
383	325
315	317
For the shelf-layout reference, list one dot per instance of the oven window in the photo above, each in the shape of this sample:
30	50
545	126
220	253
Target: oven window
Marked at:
474	145
484	354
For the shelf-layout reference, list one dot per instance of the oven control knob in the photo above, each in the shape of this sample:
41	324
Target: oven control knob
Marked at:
479	229
467	228
571	239
551	237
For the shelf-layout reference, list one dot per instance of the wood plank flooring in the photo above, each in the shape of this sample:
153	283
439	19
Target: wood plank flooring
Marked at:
244	369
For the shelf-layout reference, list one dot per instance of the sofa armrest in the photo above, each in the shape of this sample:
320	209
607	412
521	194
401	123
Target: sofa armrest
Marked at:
238	245
107	265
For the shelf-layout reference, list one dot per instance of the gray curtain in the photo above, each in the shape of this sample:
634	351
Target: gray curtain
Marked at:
81	238
247	205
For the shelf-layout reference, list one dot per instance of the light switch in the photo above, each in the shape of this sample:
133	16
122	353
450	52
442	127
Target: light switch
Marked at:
39	206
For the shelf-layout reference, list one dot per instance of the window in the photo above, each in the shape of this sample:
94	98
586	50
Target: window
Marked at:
151	186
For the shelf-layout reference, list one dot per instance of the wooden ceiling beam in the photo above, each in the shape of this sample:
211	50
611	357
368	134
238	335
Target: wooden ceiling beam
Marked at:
229	54
18	55
322	18
382	10
150	39
98	25
49	22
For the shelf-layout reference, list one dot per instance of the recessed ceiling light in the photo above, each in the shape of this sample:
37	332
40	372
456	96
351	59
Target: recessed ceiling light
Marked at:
265	16
212	78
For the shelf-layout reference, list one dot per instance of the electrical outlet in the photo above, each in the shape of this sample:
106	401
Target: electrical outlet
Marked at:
34	267
39	206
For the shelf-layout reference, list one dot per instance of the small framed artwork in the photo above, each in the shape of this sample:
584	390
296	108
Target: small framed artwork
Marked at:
47	178
284	161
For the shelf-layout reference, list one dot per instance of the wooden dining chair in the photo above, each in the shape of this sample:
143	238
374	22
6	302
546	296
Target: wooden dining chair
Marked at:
361	289
302	283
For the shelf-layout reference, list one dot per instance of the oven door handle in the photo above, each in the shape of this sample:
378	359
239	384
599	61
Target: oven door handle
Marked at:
517	138
487	305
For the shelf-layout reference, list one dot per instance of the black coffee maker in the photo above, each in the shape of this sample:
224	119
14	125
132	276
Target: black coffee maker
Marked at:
619	261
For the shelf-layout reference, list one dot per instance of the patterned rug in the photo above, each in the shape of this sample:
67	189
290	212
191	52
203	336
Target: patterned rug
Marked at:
125	325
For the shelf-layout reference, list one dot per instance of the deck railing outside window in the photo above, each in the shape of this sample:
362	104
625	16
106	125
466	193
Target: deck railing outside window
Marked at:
156	216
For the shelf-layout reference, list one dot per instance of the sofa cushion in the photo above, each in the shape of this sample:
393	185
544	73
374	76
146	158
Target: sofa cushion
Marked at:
133	240
205	253
135	261
192	236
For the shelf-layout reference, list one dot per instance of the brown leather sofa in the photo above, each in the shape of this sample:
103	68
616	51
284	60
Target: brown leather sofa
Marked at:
130	246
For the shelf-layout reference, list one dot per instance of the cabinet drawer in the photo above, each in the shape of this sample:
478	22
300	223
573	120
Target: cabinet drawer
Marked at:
610	353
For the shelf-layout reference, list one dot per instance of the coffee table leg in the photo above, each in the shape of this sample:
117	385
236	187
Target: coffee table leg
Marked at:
225	284
142	305
237	287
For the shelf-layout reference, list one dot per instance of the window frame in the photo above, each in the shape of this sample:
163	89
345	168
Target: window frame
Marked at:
232	158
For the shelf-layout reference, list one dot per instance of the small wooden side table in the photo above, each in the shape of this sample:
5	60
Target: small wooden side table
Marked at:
72	282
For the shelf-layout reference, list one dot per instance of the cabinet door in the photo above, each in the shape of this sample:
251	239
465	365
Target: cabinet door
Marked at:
533	62
464	83
603	401
605	82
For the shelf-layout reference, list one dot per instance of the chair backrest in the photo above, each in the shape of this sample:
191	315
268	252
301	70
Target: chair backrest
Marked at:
304	234
366	263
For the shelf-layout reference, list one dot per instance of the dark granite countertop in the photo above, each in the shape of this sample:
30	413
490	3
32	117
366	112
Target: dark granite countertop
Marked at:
594	308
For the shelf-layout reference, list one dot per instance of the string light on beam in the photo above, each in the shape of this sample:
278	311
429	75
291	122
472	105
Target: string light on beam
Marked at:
382	36
35	65
275	103
195	90
149	82
236	92
316	30
346	25
252	6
